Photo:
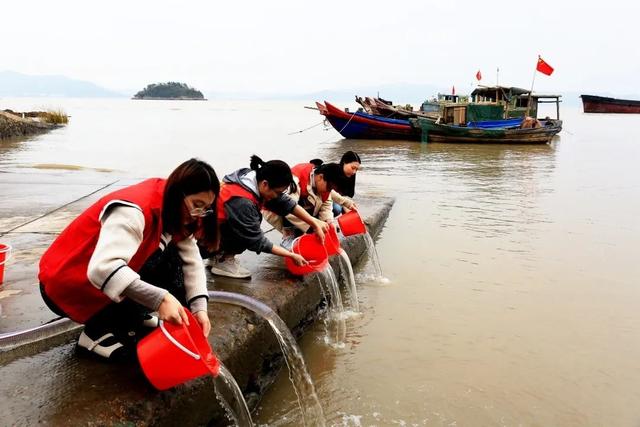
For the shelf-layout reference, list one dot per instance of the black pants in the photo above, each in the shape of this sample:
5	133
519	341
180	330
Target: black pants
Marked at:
230	244
162	269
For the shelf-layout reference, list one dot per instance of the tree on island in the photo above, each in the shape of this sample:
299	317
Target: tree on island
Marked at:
169	90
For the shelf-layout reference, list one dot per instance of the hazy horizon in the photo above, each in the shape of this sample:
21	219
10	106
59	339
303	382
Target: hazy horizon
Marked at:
295	47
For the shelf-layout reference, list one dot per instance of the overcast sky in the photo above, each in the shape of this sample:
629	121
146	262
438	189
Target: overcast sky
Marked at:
303	46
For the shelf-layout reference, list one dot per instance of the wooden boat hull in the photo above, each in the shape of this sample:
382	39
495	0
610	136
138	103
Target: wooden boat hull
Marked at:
601	104
433	132
367	126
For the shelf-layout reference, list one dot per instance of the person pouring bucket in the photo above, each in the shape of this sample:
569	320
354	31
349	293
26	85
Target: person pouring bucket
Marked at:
343	195
131	253
243	195
314	184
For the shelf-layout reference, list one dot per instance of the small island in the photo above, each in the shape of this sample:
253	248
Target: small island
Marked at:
170	90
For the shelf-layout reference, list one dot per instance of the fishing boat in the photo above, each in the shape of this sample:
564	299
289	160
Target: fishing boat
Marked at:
359	125
601	104
509	131
383	108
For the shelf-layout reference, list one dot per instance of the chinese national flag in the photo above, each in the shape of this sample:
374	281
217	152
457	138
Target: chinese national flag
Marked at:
478	75
543	67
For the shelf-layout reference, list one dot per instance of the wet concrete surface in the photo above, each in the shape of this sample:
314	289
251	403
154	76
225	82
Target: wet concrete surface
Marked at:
34	208
53	385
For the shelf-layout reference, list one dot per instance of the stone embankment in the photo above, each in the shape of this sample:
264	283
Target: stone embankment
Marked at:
13	125
51	384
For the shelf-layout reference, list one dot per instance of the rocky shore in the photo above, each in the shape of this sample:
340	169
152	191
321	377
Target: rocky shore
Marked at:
13	125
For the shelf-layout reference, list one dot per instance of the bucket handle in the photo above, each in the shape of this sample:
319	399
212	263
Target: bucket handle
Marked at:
176	343
7	250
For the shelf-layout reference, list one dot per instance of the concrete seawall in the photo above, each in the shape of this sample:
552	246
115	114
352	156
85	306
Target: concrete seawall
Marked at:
54	386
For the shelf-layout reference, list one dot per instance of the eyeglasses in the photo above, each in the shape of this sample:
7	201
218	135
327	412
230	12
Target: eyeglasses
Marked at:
198	212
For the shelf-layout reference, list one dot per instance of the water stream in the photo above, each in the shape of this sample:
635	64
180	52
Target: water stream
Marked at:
347	272
227	390
312	414
336	308
372	254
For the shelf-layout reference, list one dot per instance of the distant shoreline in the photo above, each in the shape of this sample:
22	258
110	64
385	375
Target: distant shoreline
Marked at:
152	98
13	126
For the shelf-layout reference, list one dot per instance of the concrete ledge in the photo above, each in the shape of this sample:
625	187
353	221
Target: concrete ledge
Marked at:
56	387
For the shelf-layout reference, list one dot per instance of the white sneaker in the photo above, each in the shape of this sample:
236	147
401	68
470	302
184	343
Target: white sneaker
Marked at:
229	267
288	236
107	346
150	321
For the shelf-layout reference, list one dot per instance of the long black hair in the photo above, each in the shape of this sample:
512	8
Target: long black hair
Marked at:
348	184
191	177
276	172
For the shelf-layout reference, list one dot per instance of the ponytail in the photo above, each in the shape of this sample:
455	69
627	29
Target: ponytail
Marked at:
276	172
256	163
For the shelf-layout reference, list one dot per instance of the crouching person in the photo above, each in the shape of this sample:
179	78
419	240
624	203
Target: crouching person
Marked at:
243	195
312	193
132	253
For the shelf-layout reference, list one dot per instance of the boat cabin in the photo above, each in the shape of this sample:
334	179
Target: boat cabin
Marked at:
516	102
435	104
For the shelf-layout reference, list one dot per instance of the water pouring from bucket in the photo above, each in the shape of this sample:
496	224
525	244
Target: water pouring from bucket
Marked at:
5	255
311	249
351	224
332	241
174	354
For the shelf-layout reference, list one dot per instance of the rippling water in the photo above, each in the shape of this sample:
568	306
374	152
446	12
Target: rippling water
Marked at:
513	294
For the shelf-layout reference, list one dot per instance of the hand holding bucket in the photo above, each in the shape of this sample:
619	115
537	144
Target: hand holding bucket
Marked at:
351	223
174	354
311	249
331	241
5	255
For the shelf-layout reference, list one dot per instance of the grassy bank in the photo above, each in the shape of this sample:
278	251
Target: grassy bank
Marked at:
14	125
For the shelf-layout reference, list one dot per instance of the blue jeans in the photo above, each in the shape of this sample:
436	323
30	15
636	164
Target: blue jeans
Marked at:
337	209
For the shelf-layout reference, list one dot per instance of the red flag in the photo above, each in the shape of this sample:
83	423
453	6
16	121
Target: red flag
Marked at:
453	90
479	75
543	67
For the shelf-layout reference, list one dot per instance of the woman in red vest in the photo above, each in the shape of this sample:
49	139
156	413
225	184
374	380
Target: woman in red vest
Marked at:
131	253
243	195
312	193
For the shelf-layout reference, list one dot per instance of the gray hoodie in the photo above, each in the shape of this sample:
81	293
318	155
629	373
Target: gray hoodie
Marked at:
242	230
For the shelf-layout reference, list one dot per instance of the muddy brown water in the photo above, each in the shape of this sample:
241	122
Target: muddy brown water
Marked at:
513	270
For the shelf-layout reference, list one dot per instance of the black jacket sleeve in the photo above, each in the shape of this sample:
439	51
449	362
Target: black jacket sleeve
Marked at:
242	229
282	205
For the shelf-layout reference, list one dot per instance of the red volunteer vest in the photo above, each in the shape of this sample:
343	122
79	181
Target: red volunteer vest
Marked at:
63	267
303	172
229	190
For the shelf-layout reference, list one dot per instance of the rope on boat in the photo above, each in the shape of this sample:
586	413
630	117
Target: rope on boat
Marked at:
306	129
343	128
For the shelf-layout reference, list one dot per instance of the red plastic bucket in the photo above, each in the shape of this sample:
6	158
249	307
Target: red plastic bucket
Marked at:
331	241
174	354
5	254
351	223
312	250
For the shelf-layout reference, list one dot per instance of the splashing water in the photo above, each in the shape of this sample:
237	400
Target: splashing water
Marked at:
336	310
347	271
372	254
311	410
227	390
